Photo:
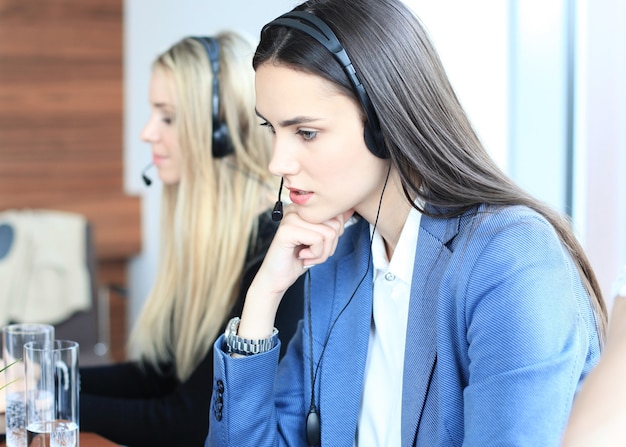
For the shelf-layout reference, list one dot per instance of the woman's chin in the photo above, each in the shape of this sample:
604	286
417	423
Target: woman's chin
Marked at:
316	216
169	179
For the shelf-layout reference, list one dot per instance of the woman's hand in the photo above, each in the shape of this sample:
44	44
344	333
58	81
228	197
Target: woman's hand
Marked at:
296	246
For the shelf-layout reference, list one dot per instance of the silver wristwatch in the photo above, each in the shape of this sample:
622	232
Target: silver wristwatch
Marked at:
244	346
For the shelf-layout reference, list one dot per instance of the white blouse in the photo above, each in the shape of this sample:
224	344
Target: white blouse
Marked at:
381	405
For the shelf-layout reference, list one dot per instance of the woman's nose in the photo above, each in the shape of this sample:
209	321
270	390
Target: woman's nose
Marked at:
283	161
149	133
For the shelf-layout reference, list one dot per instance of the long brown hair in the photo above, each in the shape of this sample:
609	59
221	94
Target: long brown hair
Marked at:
426	132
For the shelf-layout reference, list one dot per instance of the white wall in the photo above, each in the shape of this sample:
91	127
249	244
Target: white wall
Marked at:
601	135
472	38
539	102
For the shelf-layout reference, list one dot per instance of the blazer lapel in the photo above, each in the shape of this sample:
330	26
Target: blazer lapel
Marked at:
340	377
420	352
343	364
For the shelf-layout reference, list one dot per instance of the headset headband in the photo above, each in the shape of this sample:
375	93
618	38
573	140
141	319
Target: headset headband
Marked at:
316	28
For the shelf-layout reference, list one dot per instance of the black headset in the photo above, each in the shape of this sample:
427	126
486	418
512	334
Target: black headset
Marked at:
222	145
316	28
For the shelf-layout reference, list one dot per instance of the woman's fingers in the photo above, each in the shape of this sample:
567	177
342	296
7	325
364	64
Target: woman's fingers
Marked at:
299	244
320	240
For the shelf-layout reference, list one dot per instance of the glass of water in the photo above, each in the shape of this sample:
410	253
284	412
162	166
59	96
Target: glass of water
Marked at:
14	336
52	409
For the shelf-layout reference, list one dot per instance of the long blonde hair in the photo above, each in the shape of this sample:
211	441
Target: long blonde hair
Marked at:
209	218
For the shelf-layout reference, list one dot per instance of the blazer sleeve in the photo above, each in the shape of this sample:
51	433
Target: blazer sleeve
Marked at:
255	402
529	335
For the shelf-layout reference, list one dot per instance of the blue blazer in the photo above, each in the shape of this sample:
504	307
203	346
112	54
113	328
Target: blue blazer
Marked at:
500	335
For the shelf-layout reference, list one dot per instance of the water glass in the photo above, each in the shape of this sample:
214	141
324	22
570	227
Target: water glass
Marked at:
52	410
14	336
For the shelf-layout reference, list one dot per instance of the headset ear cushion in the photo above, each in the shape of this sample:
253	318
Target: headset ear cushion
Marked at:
375	145
222	144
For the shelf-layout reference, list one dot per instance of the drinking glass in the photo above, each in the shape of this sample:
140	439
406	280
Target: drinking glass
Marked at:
52	410
14	336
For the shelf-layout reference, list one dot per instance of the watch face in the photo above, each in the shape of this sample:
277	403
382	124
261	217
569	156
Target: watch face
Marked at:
231	327
231	333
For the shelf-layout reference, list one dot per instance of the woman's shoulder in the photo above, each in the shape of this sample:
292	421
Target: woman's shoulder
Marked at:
511	213
506	229
482	221
489	220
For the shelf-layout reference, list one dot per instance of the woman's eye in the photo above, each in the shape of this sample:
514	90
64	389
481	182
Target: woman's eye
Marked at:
307	134
167	120
269	127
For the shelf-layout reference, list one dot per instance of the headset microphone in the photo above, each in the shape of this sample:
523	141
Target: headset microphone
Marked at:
277	212
145	178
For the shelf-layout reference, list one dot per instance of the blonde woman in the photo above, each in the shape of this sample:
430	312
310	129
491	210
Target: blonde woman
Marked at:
212	157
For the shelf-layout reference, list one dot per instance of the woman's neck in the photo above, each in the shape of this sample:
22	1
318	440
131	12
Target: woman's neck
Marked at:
391	229
394	210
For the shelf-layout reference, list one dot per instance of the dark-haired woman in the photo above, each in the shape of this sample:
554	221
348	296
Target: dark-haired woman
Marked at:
444	306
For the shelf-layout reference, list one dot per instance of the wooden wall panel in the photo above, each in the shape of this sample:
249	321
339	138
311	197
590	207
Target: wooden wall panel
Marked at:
61	118
61	96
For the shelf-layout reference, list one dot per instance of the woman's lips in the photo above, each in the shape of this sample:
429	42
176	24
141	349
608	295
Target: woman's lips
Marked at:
298	196
158	159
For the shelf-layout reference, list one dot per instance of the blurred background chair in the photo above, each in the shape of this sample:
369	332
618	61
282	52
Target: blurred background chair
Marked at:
90	328
49	275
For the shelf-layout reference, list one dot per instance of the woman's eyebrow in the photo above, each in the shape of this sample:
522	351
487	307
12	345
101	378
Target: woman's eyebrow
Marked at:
297	120
163	105
292	121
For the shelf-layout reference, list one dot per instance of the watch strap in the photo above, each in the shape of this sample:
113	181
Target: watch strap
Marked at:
245	346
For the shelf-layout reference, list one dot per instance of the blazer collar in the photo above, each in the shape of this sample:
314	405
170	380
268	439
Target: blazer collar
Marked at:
420	353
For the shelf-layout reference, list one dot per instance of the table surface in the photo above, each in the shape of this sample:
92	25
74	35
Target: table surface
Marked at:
88	440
